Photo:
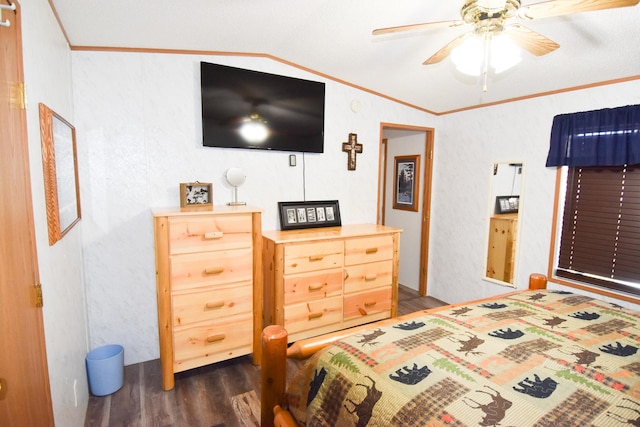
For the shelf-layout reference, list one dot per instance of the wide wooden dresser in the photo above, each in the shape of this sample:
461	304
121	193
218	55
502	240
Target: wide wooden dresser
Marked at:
209	286
326	279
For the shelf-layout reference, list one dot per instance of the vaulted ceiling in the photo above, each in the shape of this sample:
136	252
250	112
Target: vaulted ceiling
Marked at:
334	38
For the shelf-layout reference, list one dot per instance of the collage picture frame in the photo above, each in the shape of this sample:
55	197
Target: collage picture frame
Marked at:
507	204
298	215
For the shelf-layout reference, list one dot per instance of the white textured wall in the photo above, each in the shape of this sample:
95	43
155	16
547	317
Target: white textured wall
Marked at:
468	144
138	128
47	69
137	116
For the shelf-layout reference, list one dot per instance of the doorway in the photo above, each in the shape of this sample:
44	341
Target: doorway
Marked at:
25	397
400	141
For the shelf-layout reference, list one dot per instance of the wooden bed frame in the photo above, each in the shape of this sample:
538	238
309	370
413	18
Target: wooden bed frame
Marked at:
275	353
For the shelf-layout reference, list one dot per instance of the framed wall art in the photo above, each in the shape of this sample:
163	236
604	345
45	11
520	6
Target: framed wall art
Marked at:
196	196
406	182
297	215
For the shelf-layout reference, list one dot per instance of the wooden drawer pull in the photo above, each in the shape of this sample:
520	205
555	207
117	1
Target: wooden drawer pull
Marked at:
216	270
214	305
370	277
213	235
370	303
215	338
370	251
316	287
313	258
315	315
362	311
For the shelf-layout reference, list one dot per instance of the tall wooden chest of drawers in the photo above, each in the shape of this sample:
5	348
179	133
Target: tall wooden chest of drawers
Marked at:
209	286
326	279
502	247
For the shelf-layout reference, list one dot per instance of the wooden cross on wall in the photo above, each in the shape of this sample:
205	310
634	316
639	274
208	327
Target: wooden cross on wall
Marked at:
351	148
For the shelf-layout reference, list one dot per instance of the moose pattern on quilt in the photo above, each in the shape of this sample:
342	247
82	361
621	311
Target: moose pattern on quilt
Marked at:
546	358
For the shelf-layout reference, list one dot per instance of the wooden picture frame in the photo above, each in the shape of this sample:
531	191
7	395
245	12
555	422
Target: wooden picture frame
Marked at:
507	204
60	169
297	215
196	195
406	182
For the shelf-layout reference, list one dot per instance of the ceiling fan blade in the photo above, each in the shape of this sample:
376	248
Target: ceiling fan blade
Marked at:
446	50
550	8
413	27
530	41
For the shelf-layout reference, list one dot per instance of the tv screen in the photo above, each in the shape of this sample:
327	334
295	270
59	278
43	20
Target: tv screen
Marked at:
251	109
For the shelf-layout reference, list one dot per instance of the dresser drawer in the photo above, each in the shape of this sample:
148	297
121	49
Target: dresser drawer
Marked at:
191	307
368	249
313	256
211	268
188	234
313	314
367	303
204	339
313	285
362	277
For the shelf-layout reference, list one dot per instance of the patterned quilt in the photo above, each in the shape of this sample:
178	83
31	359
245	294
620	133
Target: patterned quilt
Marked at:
542	358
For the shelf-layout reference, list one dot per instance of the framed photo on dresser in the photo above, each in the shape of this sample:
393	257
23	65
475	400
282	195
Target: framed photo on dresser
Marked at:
196	196
297	215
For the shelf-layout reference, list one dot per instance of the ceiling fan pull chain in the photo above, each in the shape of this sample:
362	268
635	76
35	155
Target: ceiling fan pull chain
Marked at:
485	59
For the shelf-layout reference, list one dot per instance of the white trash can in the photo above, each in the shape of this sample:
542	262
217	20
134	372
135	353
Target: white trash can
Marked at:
105	369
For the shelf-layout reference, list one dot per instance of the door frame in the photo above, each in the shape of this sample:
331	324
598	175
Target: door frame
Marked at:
426	192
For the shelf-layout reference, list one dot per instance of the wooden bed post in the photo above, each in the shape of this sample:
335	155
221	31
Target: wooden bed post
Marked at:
274	365
537	281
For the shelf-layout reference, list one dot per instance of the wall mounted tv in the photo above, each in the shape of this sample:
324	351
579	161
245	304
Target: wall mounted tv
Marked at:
292	109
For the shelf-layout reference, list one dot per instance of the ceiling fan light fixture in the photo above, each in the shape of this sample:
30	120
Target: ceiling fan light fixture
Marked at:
468	57
500	53
504	54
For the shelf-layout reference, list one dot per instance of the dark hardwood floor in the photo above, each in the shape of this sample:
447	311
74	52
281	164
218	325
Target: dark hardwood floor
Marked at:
222	394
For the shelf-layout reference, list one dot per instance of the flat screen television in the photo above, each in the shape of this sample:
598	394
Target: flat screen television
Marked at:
290	110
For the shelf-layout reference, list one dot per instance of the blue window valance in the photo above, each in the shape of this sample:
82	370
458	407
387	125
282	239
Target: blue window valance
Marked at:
607	137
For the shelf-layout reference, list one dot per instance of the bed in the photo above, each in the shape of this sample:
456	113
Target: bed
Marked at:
533	357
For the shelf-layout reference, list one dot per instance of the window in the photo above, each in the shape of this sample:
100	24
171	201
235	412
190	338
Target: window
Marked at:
597	242
600	230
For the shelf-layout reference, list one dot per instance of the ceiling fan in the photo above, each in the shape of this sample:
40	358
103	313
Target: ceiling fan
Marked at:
491	18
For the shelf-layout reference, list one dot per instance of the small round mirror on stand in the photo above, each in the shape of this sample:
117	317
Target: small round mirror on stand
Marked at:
235	177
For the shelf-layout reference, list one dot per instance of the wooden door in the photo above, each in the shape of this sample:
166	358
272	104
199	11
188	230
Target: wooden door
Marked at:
25	397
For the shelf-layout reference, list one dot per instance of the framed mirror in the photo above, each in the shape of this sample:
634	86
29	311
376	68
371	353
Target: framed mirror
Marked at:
505	199
60	167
